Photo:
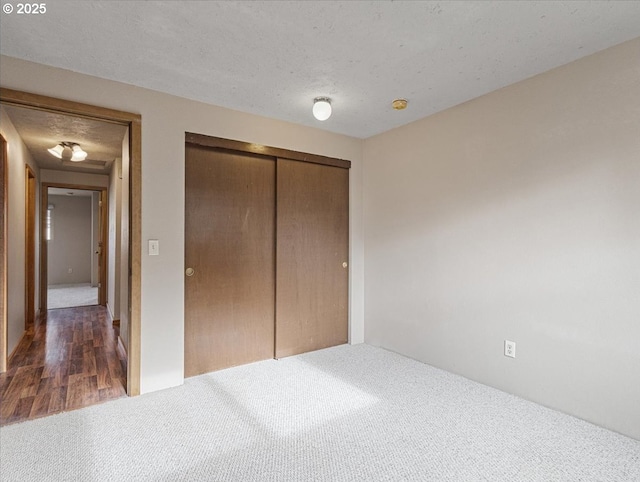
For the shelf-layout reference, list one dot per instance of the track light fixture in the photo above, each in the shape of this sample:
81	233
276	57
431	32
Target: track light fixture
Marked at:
76	152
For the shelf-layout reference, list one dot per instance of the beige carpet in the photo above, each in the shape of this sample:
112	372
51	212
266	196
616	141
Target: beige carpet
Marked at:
349	413
66	296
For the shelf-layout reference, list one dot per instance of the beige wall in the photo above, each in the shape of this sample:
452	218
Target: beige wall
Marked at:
18	158
517	216
113	258
70	248
77	178
165	119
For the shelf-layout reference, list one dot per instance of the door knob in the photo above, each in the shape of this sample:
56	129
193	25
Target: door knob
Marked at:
344	264
189	272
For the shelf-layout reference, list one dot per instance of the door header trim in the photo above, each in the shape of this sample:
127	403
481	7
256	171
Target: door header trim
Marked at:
228	144
51	104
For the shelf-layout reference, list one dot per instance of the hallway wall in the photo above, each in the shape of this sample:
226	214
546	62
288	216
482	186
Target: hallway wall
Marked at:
113	261
124	242
18	158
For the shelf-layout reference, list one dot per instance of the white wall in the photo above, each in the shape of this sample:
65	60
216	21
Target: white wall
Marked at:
165	119
113	259
517	216
18	158
69	252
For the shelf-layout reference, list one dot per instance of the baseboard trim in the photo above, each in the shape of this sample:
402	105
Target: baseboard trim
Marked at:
110	311
15	348
122	347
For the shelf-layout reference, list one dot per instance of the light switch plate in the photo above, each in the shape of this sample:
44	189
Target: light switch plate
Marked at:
154	247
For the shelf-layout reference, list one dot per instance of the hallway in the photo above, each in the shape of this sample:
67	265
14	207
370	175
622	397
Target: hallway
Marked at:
70	359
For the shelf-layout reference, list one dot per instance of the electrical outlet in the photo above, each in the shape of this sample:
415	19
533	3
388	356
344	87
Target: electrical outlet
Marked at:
510	348
70	270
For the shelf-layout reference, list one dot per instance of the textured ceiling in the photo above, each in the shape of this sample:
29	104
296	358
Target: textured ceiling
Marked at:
272	58
41	130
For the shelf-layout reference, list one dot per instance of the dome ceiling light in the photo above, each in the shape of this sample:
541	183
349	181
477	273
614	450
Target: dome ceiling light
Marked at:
322	108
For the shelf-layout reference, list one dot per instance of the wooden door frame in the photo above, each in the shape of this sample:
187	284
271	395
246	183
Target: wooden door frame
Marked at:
268	151
30	192
134	123
103	261
44	247
3	255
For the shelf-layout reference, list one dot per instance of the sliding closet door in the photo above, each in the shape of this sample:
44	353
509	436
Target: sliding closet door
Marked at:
312	252
229	259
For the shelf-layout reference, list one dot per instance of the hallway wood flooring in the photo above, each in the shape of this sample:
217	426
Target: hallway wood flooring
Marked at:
70	359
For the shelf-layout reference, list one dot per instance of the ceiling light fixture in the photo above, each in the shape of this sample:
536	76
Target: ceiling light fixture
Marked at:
77	154
56	151
322	108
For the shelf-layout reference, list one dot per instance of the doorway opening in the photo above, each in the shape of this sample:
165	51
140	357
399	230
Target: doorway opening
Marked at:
75	221
76	325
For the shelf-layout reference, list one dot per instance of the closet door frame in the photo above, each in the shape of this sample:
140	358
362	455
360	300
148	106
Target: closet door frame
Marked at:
248	147
273	152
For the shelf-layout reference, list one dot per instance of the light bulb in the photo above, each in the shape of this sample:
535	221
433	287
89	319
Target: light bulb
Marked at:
322	108
78	154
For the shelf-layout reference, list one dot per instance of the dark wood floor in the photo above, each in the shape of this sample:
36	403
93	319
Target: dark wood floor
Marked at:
69	359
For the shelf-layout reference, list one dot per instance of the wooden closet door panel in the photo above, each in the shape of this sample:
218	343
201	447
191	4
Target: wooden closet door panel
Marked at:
230	245
311	246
